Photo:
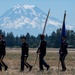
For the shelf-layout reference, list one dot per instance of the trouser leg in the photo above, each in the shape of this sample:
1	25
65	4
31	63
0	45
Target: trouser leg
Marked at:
0	63
26	64
62	59
41	62
0	67
22	63
45	64
3	64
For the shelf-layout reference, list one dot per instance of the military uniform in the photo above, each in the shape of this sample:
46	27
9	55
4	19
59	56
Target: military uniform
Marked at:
2	54
24	56
63	52
42	53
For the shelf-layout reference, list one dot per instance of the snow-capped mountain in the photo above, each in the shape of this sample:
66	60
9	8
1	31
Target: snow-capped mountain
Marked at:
27	18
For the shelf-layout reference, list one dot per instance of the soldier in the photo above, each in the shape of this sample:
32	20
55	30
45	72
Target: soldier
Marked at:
24	55
2	53
42	52
63	52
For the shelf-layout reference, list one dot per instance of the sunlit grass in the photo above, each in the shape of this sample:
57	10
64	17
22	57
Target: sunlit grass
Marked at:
12	59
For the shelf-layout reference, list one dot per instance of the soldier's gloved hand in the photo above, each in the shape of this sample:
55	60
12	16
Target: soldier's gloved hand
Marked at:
25	55
37	52
60	51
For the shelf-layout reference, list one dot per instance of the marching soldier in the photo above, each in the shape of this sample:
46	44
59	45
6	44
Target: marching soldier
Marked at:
24	55
42	52
2	53
63	52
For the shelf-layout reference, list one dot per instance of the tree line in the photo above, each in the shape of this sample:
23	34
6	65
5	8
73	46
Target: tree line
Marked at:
53	40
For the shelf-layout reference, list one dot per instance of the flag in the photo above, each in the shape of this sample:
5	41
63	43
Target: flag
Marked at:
63	31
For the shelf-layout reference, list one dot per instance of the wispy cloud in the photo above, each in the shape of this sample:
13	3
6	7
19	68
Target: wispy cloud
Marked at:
55	23
70	27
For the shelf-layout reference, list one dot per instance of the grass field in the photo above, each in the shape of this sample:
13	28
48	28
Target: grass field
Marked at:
12	59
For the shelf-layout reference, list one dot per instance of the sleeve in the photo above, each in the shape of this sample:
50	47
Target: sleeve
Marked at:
65	46
38	48
4	43
60	50
45	43
27	48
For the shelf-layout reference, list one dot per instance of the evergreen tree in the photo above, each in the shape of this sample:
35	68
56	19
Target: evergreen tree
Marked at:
53	40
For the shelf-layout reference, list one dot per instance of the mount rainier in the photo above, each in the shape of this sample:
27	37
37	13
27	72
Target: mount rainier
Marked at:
28	18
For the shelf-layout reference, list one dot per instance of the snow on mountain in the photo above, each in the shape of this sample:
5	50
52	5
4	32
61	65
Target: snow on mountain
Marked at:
27	18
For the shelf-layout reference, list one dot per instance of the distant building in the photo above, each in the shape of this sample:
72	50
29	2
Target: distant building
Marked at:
71	46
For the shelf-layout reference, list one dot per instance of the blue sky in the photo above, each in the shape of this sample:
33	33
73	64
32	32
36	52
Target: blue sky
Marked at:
57	7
